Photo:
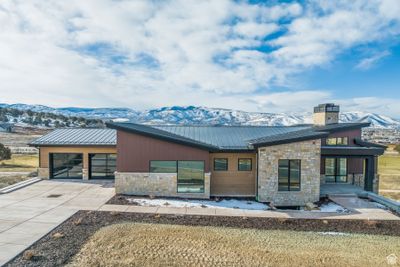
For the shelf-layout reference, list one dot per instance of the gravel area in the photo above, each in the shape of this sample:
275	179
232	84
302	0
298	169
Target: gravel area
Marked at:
64	242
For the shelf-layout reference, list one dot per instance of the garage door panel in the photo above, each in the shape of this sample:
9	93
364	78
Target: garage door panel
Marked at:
102	166
66	165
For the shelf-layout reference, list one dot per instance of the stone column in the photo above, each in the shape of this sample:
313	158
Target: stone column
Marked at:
85	174
43	173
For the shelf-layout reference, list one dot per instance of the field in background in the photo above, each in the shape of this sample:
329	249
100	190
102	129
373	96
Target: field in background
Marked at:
389	176
19	168
20	163
17	139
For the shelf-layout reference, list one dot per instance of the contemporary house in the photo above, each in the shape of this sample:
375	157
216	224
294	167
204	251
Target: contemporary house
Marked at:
288	166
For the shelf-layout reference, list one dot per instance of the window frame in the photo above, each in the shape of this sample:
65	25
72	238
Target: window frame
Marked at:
289	187
52	166
177	177
337	143
251	165
110	175
176	166
227	165
336	171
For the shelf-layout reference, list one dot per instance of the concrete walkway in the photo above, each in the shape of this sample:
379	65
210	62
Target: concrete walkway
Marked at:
28	214
363	210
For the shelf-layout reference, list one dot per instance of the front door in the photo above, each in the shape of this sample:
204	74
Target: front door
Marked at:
335	170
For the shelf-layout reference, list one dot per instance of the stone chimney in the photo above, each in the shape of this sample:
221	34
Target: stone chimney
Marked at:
325	114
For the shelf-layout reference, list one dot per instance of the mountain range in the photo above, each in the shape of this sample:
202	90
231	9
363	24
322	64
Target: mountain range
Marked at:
191	115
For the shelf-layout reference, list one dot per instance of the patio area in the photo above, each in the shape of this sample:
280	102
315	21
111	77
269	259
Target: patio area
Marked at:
340	189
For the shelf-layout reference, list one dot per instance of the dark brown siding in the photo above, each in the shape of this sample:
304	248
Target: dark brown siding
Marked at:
350	134
354	165
135	152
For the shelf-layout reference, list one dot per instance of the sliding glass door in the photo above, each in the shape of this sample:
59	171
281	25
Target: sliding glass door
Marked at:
335	170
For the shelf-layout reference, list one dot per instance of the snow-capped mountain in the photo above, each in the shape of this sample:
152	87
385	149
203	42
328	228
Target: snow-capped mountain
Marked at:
205	116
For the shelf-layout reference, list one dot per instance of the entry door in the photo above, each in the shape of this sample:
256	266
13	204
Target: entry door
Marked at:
66	165
335	170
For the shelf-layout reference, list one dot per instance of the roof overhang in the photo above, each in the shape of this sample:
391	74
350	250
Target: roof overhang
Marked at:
152	132
72	145
282	139
351	151
339	127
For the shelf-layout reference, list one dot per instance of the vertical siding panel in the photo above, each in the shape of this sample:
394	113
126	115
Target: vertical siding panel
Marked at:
135	151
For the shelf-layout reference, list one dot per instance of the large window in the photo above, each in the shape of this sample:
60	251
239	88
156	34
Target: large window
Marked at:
335	170
163	166
66	165
102	166
289	175
337	141
220	164
244	164
190	176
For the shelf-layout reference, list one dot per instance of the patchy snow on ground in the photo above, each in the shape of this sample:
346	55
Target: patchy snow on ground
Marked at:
333	233
332	207
177	203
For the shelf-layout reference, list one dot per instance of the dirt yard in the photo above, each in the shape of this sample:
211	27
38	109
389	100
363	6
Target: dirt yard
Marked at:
113	236
171	245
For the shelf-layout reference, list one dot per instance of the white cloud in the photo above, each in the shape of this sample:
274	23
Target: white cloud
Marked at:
147	53
369	62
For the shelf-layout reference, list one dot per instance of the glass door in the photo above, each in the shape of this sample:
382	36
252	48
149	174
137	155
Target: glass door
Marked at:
335	170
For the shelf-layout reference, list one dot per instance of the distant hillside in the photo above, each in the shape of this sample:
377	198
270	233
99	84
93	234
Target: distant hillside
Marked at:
27	117
191	115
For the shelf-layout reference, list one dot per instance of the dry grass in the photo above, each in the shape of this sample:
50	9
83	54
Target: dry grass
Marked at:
12	179
20	163
389	176
389	165
133	244
392	195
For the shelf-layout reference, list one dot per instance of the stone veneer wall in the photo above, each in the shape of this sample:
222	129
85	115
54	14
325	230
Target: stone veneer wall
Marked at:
309	152
156	184
43	173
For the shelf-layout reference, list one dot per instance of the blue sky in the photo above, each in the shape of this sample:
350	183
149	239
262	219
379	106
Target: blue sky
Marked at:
269	56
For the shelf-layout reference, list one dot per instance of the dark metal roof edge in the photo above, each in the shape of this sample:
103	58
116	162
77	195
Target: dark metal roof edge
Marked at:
72	145
168	137
361	151
363	143
289	140
341	127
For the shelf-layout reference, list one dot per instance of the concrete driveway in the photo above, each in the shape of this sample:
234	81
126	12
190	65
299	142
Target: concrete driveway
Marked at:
31	212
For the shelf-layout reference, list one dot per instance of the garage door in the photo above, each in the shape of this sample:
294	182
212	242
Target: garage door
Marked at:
66	165
102	166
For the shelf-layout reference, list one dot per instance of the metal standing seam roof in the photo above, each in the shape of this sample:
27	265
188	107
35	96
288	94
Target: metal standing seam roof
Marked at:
78	136
212	138
228	137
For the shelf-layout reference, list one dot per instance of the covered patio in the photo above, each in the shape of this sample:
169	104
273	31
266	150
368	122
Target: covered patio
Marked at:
352	169
340	189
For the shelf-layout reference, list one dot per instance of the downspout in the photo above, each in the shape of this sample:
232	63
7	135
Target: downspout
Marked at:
257	160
